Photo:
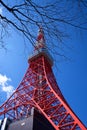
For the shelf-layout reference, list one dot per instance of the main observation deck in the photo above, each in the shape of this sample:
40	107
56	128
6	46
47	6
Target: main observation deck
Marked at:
41	52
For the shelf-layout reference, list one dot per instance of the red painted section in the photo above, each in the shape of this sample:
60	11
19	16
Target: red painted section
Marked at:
39	89
40	37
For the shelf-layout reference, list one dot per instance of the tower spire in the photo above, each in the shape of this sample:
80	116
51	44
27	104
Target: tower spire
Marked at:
40	43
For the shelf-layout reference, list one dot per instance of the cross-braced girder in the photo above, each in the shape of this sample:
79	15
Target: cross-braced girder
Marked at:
39	89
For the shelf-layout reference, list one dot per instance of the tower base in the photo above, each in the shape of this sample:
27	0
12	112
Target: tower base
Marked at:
35	121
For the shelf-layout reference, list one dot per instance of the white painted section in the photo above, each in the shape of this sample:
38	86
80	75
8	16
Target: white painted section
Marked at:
4	124
0	122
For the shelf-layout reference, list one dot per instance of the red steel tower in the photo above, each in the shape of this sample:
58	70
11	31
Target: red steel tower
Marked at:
39	89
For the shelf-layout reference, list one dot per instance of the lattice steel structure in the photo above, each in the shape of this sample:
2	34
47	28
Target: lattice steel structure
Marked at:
39	89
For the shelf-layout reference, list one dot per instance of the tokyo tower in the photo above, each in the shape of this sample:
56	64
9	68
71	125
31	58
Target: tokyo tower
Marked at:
39	90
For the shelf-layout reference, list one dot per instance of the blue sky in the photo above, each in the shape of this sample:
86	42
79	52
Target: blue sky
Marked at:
70	75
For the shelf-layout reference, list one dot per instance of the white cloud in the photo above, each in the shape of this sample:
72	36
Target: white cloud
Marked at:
5	87
4	79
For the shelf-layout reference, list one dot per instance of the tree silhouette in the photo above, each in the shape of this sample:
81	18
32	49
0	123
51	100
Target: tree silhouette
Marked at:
54	16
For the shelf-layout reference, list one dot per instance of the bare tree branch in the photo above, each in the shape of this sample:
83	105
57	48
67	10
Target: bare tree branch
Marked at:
54	16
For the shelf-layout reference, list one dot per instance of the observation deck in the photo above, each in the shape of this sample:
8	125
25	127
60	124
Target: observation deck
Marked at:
41	52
